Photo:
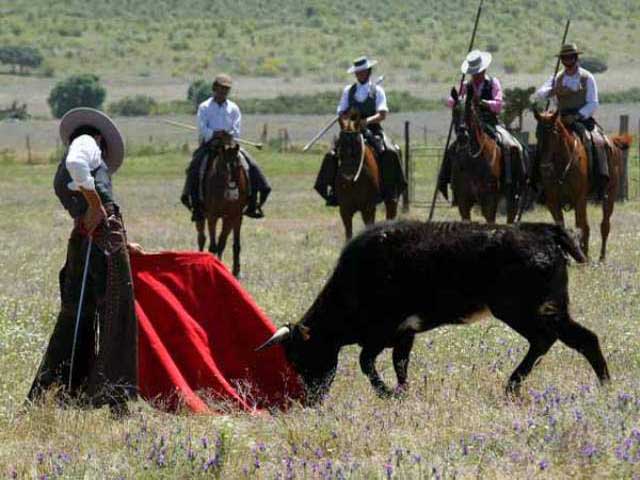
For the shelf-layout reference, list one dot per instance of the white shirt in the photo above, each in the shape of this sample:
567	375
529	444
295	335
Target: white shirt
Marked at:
362	92
572	82
83	157
213	117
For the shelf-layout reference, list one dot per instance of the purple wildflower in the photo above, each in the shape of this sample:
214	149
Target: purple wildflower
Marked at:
388	470
589	450
544	464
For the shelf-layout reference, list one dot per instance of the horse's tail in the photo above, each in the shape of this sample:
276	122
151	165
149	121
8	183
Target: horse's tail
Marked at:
568	244
623	142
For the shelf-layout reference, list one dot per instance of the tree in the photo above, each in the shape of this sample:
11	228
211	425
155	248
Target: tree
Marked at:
517	102
198	92
76	91
21	57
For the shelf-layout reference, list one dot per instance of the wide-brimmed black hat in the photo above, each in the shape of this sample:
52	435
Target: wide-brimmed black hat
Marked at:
85	116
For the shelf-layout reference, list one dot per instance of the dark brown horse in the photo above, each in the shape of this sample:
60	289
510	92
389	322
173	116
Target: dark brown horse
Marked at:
358	179
225	197
477	166
564	173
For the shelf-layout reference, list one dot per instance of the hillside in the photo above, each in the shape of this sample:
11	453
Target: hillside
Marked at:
285	38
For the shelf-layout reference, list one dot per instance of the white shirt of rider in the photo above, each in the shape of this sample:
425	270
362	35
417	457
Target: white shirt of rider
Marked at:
362	92
84	156
572	82
213	117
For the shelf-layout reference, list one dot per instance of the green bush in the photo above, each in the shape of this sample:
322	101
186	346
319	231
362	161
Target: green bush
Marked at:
140	105
76	91
593	64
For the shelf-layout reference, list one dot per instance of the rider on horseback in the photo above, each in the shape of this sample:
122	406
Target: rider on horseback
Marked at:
487	92
576	94
370	102
219	119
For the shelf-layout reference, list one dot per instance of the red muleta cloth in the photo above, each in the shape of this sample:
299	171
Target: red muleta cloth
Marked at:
198	333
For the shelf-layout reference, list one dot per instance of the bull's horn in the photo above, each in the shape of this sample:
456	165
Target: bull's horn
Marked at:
280	336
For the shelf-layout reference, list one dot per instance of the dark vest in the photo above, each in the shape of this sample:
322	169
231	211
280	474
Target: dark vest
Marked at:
366	108
74	202
486	93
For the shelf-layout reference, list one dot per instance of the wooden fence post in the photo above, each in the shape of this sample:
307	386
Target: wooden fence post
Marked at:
265	134
28	149
623	193
406	197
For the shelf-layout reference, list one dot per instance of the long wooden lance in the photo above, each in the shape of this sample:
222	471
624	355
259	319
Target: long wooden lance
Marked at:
525	198
435	191
191	127
555	72
326	128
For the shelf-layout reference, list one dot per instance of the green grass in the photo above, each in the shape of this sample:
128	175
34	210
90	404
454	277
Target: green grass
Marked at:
283	38
455	421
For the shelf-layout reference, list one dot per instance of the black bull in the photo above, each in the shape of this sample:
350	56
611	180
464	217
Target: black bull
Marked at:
398	279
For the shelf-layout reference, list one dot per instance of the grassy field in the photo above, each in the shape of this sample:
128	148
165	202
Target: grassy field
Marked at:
454	423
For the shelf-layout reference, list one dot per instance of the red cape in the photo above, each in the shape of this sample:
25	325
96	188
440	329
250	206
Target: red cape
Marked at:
198	333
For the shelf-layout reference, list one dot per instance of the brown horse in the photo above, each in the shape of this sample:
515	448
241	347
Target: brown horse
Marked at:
225	197
564	173
477	166
358	178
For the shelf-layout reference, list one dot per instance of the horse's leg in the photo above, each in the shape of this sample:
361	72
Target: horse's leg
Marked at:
391	208
212	222
464	207
489	206
369	215
582	223
236	246
512	202
224	234
202	238
347	220
553	205
608	202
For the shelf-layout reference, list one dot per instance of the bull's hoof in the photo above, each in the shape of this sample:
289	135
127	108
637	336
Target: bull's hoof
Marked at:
384	392
401	391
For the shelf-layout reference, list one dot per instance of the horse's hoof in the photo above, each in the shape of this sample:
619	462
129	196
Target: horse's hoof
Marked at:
401	391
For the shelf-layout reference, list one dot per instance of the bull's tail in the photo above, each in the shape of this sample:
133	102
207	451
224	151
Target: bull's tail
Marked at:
623	142
568	244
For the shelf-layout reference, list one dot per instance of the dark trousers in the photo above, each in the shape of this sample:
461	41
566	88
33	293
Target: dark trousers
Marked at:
105	369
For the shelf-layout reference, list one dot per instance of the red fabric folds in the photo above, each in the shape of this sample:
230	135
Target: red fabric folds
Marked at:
198	332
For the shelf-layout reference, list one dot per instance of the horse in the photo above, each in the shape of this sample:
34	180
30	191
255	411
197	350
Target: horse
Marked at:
226	195
477	166
564	173
358	179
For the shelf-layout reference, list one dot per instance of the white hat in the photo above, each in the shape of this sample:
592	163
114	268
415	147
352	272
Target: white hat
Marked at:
82	116
360	64
476	62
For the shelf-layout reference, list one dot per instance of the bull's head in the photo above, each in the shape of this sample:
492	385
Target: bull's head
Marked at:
314	359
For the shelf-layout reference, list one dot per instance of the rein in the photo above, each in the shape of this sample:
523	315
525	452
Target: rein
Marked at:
362	145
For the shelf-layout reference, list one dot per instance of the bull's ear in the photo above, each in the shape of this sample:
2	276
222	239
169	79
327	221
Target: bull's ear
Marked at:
305	332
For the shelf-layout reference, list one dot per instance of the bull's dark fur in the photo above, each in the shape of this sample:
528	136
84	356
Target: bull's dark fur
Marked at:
438	274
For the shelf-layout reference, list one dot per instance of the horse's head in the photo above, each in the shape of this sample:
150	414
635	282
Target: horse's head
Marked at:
351	144
457	112
550	134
